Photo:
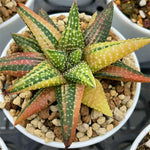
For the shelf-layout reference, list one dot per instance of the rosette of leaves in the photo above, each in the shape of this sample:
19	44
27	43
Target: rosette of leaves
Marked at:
64	66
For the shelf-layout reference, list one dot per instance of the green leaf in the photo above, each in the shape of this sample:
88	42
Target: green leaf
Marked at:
44	97
27	44
72	36
57	58
75	57
81	74
98	31
43	75
69	98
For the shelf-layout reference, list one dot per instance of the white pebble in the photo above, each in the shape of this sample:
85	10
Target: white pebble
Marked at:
142	14
142	3
56	122
83	128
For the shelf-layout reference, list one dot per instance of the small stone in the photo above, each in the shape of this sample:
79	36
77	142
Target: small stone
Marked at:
17	101
1	20
80	134
147	144
142	3
84	110
129	103
54	108
113	93
83	128
84	138
39	133
125	100
32	117
121	96
87	18
101	131
109	127
9	5
142	14
95	126
1	85
26	94
89	132
44	129
95	114
58	140
101	120
2	105
34	122
110	120
30	128
56	122
118	114
39	124
123	109
50	135
12	112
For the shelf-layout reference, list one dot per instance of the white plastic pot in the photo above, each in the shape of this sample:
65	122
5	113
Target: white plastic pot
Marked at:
12	25
3	145
93	140
140	137
131	30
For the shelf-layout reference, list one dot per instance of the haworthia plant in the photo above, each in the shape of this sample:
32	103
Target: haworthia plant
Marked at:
27	44
19	65
122	72
45	33
76	59
99	29
43	75
44	97
100	55
69	98
72	36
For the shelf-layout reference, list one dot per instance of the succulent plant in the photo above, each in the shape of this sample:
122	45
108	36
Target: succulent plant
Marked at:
64	66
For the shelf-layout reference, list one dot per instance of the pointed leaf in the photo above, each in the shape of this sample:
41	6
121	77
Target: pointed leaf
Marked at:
75	57
57	58
27	44
123	72
19	65
72	36
42	99
69	98
99	30
95	98
101	55
46	17
81	74
45	33
92	19
43	75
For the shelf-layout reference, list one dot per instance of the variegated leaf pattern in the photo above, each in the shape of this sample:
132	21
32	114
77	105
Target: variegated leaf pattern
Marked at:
43	75
27	44
99	29
72	36
43	98
122	72
69	98
100	55
18	64
45	33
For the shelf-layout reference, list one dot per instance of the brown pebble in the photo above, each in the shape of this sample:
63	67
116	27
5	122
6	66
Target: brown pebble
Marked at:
61	17
53	115
127	91
86	119
104	84
58	133
8	106
44	114
116	101
119	89
84	110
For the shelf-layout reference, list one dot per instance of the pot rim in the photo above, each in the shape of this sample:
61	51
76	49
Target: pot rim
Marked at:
15	17
92	140
139	138
3	145
126	20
